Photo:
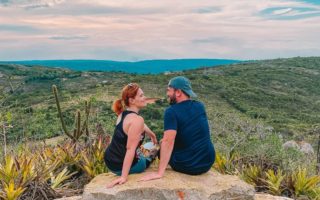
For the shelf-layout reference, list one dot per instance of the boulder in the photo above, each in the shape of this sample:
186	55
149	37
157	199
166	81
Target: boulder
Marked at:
262	196
71	198
173	185
306	148
290	144
302	146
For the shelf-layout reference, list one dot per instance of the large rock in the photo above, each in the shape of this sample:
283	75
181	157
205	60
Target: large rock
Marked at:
302	146
306	148
257	196
291	144
71	198
173	185
263	196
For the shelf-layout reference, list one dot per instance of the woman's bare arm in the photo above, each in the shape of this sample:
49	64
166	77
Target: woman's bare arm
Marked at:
135	129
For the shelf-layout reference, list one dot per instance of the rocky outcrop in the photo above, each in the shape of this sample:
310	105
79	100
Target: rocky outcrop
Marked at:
71	198
302	146
290	144
174	185
306	148
262	196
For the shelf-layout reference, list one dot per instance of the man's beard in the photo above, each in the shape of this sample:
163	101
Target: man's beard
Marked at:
172	99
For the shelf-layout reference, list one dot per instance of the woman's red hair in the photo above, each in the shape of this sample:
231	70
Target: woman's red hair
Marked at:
128	91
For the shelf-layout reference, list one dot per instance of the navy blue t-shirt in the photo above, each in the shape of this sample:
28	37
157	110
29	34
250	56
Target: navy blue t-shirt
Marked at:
193	151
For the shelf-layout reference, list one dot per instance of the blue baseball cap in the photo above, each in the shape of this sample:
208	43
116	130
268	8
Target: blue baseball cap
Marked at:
182	83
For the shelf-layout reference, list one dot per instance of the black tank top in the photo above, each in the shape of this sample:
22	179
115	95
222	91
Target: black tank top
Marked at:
116	151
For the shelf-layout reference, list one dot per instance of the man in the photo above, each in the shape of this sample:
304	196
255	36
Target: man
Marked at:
186	144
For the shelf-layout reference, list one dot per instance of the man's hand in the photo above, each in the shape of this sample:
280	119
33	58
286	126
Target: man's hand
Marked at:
151	176
119	181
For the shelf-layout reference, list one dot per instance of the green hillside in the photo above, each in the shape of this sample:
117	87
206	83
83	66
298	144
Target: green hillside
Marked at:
282	94
253	108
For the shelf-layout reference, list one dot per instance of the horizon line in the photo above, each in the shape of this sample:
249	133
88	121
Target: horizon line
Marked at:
161	59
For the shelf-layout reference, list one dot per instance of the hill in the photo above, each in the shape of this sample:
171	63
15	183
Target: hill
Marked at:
282	94
140	67
252	107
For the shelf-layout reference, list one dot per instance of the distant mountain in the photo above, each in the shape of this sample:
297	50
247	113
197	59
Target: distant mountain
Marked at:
140	67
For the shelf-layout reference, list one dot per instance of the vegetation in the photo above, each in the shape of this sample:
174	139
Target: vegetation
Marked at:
49	172
79	130
253	108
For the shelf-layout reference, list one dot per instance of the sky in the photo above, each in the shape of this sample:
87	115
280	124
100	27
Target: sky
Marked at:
132	30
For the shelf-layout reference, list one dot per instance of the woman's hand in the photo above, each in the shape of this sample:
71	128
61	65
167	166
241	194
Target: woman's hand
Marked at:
120	180
153	138
150	134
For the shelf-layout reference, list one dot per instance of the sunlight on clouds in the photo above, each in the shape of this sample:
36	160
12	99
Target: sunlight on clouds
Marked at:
291	13
292	10
282	11
147	29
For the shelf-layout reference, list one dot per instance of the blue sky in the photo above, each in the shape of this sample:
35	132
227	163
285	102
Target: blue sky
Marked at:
131	30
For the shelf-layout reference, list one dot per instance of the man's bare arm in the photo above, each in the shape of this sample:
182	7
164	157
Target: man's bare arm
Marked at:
166	150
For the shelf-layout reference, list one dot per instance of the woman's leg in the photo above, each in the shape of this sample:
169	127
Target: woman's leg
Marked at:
139	167
143	162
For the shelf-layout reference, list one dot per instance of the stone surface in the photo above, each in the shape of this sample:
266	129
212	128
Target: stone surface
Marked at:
290	144
71	198
262	196
302	146
306	148
173	185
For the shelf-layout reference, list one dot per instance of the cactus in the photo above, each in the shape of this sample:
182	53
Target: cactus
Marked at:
79	129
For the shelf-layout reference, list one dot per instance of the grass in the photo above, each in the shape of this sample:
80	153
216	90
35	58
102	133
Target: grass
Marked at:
252	108
282	93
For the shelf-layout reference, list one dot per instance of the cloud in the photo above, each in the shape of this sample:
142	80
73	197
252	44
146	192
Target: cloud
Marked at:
18	28
73	7
217	41
148	29
282	11
77	37
316	2
205	10
88	9
291	13
4	2
29	4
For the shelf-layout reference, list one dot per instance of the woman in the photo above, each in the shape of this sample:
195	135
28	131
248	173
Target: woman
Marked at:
122	156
